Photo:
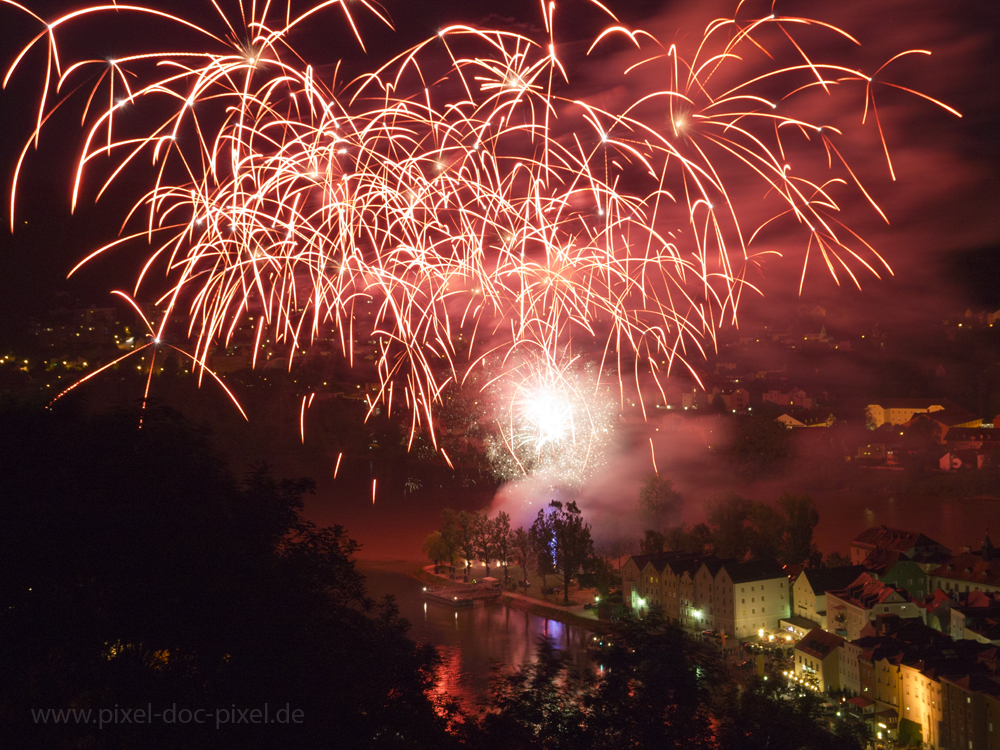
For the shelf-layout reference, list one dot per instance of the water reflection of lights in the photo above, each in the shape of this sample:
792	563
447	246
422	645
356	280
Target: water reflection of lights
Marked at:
555	630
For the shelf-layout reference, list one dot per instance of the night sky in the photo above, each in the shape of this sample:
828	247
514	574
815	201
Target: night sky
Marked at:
943	207
942	241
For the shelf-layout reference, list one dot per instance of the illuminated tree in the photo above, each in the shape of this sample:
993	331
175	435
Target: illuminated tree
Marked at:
542	543
571	539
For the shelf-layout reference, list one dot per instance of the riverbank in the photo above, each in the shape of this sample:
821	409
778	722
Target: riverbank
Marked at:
559	614
574	614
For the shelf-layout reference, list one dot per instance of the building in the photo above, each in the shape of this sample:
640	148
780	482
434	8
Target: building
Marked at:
847	665
967	572
970	712
809	590
756	593
705	593
734	399
851	609
807	418
817	660
795	397
913	544
899	571
901	410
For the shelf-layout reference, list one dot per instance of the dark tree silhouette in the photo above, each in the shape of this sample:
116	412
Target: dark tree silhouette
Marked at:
138	571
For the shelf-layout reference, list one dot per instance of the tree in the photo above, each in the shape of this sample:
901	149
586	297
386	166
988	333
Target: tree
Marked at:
465	534
539	705
694	541
870	422
719	404
837	560
659	503
801	518
542	546
652	543
523	550
483	539
571	536
770	713
156	575
598	574
760	446
616	549
503	540
435	548
728	516
765	532
450	536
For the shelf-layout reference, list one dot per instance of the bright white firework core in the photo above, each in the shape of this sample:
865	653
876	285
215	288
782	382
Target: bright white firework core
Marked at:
550	416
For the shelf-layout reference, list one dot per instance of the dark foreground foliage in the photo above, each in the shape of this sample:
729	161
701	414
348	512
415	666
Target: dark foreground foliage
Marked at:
656	688
138	572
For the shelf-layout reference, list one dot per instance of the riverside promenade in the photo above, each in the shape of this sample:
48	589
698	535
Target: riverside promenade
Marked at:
445	587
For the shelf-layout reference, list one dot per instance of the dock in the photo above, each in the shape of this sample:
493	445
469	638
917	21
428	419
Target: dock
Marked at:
461	597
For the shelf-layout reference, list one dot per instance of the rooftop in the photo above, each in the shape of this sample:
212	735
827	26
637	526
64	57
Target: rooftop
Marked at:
822	580
884	537
971	568
818	643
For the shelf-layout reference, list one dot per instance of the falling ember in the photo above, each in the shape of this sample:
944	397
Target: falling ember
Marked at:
652	453
374	484
337	467
467	242
302	419
445	456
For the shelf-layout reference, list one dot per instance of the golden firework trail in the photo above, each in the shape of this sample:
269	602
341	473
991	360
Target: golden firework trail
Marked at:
462	203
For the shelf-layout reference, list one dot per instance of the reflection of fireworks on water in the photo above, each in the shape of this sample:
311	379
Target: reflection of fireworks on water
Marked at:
462	192
553	424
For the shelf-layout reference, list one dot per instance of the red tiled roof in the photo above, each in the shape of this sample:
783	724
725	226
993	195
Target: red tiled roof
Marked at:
884	537
970	568
818	643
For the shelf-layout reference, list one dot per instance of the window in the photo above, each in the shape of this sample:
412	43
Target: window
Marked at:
753	611
743	601
762	610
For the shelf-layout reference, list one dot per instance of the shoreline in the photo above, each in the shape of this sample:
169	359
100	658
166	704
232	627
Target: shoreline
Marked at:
511	600
540	609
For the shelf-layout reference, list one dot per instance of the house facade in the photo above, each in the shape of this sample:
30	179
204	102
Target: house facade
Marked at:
817	660
850	610
734	598
809	590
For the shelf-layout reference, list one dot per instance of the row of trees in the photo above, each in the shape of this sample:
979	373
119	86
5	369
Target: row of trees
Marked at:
557	542
736	527
658	688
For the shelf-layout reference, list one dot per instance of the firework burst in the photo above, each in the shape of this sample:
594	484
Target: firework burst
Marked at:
464	192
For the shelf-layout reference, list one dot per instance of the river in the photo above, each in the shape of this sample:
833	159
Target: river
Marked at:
471	641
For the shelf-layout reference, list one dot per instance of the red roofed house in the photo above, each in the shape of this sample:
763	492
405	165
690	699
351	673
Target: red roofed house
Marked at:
848	611
967	572
913	544
816	660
